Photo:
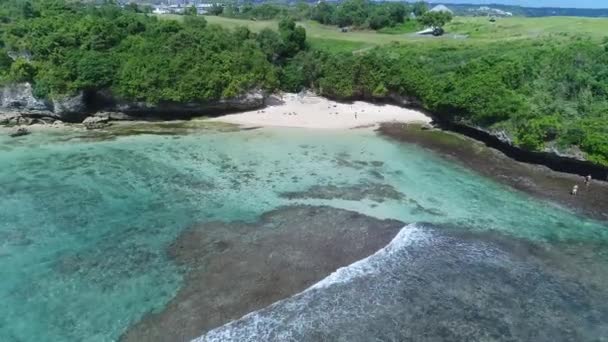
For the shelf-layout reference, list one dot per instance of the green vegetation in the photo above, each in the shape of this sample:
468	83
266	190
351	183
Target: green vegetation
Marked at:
436	20
75	47
478	30
545	87
360	14
544	93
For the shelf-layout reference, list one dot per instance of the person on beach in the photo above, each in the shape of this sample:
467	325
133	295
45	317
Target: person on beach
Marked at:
574	190
588	180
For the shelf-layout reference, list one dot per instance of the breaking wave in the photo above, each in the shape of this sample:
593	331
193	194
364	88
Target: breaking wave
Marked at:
431	284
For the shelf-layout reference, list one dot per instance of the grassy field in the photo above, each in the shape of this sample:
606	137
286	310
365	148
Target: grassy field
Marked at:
522	27
469	30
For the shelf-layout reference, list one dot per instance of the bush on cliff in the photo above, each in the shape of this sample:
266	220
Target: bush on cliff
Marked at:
72	47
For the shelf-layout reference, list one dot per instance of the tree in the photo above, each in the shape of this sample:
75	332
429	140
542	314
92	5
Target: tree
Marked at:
28	11
292	37
323	13
396	12
195	22
22	71
419	8
352	12
270	42
133	7
5	61
190	11
435	19
95	70
216	9
378	21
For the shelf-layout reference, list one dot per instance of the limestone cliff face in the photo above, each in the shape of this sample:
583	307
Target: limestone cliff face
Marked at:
18	101
250	100
19	97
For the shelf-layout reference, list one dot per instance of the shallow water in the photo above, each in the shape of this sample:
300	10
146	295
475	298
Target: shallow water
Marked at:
85	220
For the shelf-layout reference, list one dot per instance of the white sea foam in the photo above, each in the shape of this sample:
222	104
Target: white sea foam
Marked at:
256	326
433	283
408	235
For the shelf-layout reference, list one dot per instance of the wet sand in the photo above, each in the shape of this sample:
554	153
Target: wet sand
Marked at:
536	180
236	268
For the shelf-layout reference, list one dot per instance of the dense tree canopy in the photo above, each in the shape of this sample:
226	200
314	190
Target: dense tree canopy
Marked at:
66	47
435	19
357	13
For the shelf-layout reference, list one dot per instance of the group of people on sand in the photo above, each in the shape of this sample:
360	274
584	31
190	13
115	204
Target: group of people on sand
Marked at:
575	187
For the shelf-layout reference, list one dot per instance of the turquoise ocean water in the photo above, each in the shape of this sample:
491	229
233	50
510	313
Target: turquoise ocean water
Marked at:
85	222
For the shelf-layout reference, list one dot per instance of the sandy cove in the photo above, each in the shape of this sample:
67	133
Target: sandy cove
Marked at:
311	111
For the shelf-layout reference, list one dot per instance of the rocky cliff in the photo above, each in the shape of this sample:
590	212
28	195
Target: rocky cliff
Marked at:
19	105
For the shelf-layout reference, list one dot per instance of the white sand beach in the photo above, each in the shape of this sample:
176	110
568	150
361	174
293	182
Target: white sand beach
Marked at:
311	111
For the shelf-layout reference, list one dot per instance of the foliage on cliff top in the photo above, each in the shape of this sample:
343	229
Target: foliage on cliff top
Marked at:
68	47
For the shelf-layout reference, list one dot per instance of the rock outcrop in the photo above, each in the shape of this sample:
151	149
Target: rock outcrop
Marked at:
20	98
97	121
19	106
19	132
71	108
248	101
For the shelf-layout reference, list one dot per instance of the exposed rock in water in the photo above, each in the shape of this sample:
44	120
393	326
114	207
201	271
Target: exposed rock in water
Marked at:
96	122
21	131
117	116
373	191
238	267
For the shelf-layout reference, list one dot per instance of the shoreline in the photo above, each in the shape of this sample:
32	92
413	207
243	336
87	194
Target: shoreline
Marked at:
311	111
537	180
308	110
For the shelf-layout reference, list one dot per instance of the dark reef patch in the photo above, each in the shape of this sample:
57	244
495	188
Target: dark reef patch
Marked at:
373	191
435	284
237	267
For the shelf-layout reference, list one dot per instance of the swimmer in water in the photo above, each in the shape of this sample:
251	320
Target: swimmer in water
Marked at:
588	180
574	190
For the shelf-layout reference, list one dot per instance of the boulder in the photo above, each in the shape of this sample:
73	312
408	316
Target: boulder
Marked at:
251	100
19	132
70	108
96	122
20	97
8	118
16	119
117	116
502	136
